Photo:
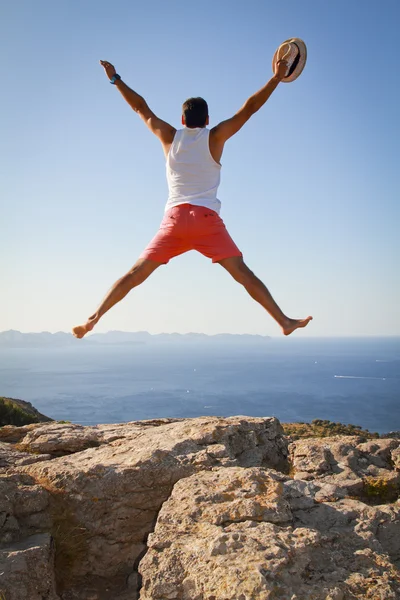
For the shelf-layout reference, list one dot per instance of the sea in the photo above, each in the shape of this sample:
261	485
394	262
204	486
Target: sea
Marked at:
348	380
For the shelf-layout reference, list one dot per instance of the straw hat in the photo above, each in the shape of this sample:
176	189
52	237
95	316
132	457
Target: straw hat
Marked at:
294	51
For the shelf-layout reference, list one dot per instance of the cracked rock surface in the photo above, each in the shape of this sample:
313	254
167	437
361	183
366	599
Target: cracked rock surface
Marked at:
106	484
196	509
348	466
242	534
27	569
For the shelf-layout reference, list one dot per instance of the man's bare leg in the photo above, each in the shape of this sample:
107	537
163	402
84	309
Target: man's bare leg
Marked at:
257	290
137	275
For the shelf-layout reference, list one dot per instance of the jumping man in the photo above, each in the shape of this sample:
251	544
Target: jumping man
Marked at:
191	220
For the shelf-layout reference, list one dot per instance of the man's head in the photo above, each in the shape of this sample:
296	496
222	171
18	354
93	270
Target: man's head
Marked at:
195	113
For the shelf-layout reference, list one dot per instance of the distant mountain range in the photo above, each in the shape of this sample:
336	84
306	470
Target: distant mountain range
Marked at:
16	339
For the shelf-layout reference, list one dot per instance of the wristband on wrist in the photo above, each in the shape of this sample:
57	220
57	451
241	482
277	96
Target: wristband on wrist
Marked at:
115	78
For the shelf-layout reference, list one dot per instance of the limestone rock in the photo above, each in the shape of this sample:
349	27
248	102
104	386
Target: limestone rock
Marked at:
232	534
396	457
13	434
387	522
27	570
346	466
59	439
224	503
105	499
23	507
10	457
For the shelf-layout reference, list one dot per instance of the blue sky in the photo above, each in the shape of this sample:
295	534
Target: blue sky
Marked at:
309	187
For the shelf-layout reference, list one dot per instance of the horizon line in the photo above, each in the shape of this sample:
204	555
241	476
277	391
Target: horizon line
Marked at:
324	336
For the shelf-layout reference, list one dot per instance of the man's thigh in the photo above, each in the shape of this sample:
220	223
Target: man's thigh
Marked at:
164	246
217	245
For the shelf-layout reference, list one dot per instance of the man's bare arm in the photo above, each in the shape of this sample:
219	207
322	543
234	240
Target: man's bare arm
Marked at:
228	128
164	131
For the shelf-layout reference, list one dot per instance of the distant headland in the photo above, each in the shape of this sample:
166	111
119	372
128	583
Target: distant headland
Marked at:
16	339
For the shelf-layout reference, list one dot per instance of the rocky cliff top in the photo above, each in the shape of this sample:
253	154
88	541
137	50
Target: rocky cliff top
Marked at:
197	509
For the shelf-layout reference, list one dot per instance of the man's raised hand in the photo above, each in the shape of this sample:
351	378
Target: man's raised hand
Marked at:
108	68
281	68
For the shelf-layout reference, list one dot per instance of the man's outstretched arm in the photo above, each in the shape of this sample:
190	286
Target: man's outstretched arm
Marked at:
164	131
228	128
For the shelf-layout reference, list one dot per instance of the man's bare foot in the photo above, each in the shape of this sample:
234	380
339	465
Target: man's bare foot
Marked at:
82	330
293	324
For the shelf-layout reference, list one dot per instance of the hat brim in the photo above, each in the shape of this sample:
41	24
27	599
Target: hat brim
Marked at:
298	63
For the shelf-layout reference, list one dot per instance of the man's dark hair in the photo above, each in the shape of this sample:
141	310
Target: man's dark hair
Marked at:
195	111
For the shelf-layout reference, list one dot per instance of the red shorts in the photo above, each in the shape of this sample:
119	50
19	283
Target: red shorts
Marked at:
188	227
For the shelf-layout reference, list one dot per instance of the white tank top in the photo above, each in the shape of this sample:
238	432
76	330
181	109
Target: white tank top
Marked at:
193	175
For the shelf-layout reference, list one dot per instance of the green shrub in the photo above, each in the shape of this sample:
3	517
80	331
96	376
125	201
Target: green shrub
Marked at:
325	428
12	414
377	490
